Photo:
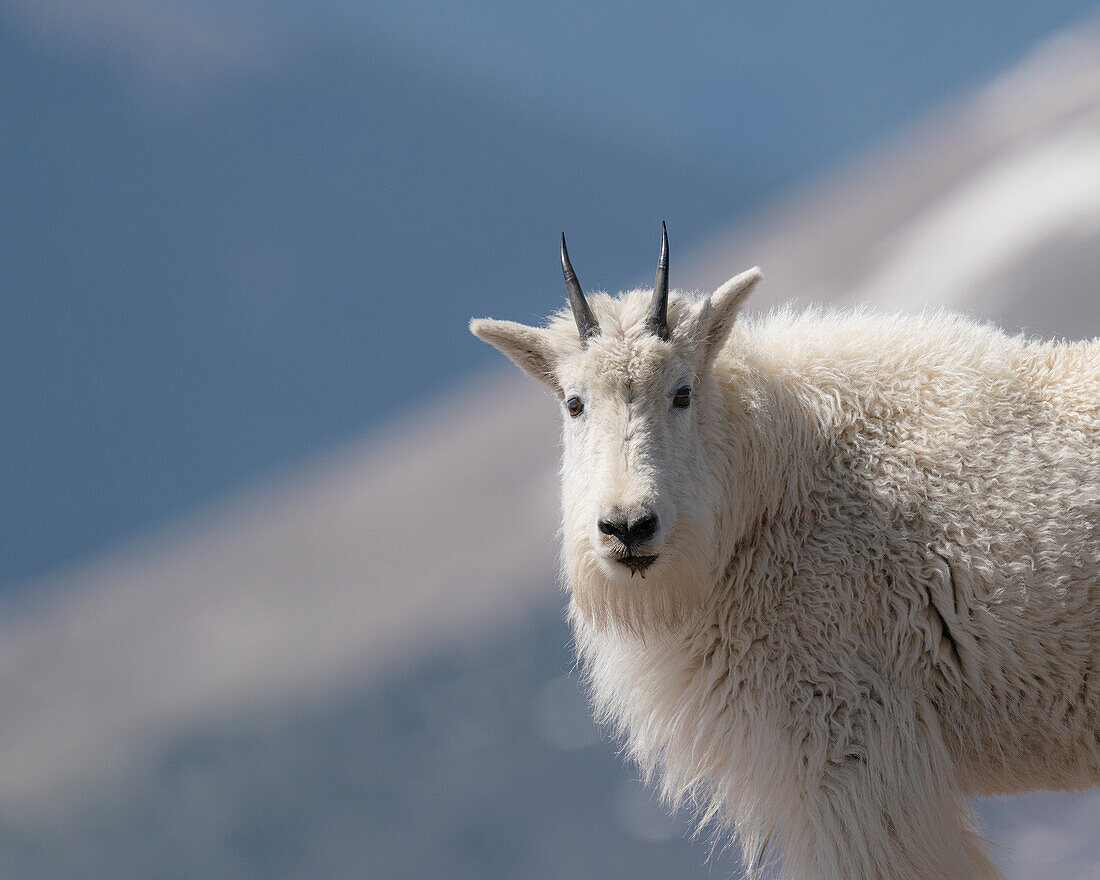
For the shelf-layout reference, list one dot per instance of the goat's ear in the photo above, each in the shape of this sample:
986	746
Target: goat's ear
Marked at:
528	347
711	324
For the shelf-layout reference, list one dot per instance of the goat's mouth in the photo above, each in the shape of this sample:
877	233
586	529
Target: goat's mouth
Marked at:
636	564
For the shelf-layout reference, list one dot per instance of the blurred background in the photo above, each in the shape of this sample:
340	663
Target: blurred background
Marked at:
277	535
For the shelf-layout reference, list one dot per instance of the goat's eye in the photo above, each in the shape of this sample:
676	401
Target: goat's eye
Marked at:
682	398
574	405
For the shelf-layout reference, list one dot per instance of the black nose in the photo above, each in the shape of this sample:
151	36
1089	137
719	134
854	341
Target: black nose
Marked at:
630	533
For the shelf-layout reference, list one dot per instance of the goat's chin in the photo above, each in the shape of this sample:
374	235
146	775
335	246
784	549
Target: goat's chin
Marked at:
617	572
609	596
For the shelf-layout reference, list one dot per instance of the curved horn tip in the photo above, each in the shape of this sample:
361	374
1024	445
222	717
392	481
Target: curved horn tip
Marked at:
587	325
657	320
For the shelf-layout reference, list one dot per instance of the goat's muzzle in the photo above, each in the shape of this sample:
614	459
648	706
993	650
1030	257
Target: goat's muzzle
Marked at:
626	538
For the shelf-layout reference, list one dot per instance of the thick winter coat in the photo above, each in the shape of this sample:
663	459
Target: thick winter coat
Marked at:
848	578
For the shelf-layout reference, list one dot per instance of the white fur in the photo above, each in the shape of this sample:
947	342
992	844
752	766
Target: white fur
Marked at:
878	583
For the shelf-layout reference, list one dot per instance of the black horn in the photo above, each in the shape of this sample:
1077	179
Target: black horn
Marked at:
657	319
587	325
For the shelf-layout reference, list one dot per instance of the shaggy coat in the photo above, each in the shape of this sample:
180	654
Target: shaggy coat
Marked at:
879	591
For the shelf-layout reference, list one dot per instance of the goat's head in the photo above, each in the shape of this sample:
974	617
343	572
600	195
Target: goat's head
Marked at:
639	402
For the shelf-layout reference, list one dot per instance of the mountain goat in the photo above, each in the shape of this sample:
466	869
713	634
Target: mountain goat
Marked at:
829	573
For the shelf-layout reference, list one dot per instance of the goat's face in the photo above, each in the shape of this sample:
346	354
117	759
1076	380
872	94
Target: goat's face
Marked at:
633	458
638	402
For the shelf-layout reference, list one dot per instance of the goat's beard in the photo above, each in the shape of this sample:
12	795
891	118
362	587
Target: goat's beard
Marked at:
671	593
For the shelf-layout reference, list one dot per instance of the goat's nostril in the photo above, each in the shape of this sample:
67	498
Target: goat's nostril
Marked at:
618	528
643	529
629	534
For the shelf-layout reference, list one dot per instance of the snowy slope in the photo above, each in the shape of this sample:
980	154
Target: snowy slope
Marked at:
437	538
990	206
354	564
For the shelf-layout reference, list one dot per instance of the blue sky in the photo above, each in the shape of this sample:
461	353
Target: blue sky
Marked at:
236	235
